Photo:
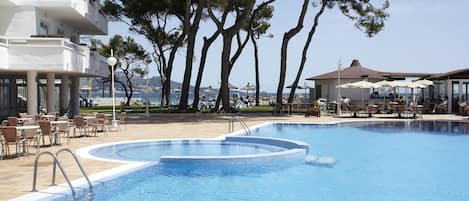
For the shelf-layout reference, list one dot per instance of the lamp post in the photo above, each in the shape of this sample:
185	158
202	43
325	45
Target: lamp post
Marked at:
112	61
338	89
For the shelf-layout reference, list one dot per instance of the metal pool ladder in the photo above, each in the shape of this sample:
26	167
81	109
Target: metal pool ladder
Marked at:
57	163
242	122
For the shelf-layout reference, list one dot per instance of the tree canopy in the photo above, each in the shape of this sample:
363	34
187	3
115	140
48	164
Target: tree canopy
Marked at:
172	25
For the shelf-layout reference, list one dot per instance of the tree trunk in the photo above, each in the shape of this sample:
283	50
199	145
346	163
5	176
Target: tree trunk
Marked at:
129	84
283	53
231	64
225	70
169	67
305	52
256	64
203	58
123	86
192	34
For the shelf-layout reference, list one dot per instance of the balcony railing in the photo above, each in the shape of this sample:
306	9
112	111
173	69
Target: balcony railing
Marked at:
91	11
59	54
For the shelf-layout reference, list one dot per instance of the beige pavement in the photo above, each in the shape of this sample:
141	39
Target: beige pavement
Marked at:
16	174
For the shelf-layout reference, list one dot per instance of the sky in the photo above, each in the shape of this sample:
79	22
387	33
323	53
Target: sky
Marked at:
419	36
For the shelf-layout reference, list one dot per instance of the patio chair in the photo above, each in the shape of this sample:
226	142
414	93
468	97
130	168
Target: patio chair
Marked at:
10	137
370	109
4	123
354	110
63	128
46	130
416	112
80	125
400	111
315	111
31	135
93	124
440	108
380	108
2	153
38	117
103	120
12	121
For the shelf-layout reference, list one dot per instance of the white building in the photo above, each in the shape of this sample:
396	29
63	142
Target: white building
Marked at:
326	83
41	55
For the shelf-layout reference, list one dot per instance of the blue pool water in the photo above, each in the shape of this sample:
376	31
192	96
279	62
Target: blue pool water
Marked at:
375	161
140	151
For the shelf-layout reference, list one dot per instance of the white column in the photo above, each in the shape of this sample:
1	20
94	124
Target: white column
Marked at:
460	91
51	102
449	93
75	96
64	94
31	83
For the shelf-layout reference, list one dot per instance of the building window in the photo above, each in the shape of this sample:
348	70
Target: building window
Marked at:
60	32
4	92
43	28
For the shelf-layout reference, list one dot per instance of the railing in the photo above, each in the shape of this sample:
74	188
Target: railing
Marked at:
43	42
64	55
241	122
58	164
91	11
55	161
77	162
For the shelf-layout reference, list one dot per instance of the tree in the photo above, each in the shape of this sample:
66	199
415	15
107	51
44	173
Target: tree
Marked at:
133	59
245	25
151	18
258	26
283	52
191	30
207	43
367	18
242	11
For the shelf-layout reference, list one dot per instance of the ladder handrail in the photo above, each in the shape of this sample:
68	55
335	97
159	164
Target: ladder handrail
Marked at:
55	161
244	125
76	160
242	122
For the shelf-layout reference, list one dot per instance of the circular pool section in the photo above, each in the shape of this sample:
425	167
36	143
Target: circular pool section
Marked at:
231	149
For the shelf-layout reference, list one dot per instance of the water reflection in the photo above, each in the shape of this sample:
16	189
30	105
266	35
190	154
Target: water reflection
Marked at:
434	127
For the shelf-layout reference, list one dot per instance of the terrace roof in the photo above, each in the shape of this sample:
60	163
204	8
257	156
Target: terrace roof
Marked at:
357	71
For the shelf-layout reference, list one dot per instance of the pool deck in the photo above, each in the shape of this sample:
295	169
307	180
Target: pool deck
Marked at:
16	174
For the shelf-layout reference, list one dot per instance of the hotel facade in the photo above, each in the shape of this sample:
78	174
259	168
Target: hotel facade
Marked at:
41	57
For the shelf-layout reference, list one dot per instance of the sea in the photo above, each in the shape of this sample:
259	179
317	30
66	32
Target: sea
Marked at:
154	97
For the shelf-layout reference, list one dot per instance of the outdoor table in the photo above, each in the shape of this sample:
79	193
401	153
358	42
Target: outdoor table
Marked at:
49	117
20	129
58	122
89	117
23	119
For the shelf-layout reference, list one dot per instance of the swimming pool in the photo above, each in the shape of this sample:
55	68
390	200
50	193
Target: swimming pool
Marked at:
410	160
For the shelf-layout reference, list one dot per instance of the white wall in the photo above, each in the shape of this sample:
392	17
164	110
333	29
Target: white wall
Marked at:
35	58
3	55
17	21
330	92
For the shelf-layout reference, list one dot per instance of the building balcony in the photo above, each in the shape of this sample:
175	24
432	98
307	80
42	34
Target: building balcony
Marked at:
57	55
84	15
